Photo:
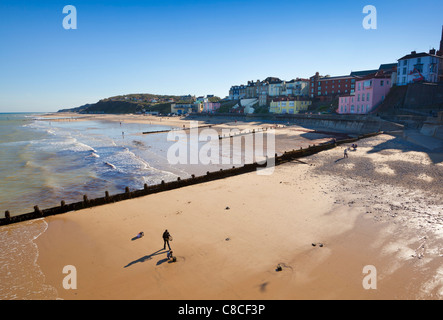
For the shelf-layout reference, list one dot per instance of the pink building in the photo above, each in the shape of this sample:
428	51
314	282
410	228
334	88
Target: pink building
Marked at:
211	107
370	91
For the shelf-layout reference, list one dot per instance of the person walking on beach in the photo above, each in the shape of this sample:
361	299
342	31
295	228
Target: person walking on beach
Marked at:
166	238
345	153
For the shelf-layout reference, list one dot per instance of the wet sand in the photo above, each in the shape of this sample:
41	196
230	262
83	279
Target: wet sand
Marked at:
382	206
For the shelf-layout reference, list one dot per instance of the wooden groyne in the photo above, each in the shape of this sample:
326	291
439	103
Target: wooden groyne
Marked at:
176	129
179	183
246	132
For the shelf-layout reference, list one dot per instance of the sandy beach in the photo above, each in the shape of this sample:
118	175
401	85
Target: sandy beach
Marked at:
322	218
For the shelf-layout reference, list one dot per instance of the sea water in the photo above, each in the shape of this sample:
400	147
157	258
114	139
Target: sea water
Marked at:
43	162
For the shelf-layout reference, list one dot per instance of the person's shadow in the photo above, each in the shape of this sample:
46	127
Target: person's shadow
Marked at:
148	257
159	262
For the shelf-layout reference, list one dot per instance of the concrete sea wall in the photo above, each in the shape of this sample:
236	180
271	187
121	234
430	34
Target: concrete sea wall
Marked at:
357	124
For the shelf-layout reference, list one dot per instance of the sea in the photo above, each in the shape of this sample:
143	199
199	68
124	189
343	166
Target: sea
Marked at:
44	161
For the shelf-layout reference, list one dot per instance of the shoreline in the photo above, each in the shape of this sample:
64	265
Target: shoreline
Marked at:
232	253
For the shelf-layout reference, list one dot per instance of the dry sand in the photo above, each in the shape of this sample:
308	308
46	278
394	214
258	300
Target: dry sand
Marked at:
383	206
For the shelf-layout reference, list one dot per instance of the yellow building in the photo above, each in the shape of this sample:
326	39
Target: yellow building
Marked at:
288	106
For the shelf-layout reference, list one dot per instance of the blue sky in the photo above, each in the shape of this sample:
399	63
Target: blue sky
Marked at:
194	47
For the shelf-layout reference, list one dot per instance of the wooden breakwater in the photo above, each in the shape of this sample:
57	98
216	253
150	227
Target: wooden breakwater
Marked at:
177	129
245	132
179	183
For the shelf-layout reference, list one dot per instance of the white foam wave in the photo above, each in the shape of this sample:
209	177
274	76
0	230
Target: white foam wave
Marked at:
110	165
94	155
22	277
128	162
67	144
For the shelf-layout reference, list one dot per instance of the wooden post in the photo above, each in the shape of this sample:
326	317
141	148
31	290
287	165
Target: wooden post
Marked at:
38	211
62	204
7	215
85	200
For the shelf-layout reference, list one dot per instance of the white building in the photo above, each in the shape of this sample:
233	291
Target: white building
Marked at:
417	67
296	87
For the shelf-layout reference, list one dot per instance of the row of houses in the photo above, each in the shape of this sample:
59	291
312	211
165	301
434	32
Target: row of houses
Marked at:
270	87
359	92
201	104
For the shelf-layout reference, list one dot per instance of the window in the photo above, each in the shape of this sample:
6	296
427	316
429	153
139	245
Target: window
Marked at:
363	97
419	67
367	97
381	83
359	86
404	71
405	62
358	97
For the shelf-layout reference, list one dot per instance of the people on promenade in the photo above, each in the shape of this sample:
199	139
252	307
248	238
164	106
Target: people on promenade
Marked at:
166	238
